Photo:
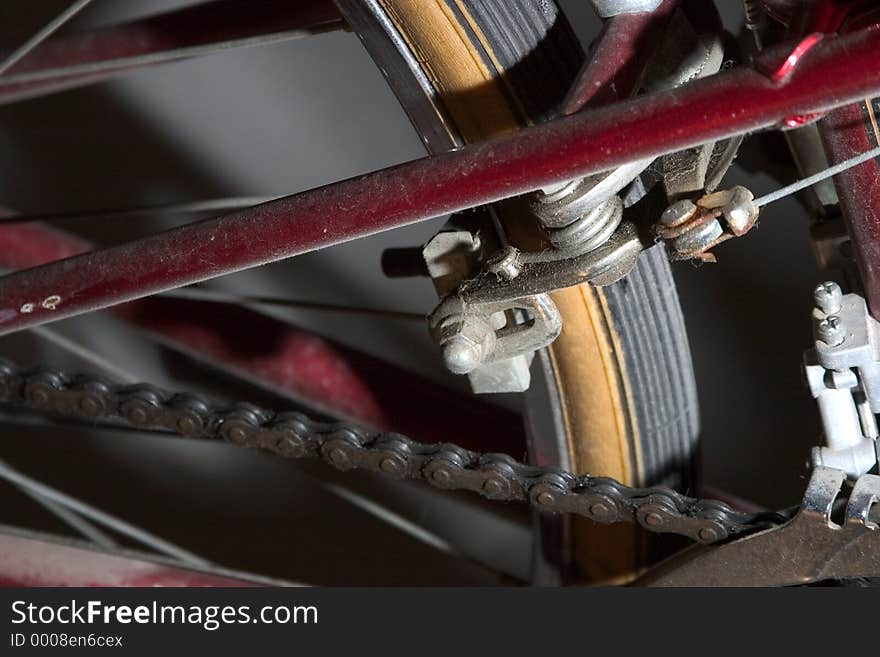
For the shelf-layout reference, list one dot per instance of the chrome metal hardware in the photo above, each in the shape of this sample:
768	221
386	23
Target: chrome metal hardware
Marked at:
843	373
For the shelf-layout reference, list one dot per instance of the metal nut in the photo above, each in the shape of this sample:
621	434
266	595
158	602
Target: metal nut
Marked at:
466	344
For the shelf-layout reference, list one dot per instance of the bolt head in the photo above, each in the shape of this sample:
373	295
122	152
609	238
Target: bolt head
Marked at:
740	212
678	213
461	355
830	330
828	297
466	343
505	264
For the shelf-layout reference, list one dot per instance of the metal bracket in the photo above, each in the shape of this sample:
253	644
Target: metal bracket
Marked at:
546	271
809	548
477	324
843	373
481	339
692	228
450	257
859	343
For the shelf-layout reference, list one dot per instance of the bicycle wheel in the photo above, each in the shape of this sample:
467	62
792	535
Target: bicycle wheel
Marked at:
617	395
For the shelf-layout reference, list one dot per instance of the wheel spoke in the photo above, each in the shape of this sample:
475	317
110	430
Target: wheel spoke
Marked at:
68	517
77	59
391	518
508	165
44	33
160	57
88	355
105	519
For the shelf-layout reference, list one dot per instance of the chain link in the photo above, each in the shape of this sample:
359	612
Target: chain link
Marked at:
348	446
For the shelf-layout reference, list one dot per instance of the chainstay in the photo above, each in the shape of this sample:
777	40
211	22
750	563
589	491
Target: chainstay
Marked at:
348	446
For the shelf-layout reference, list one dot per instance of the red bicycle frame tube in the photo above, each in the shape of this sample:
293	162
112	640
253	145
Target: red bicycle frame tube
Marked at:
835	72
74	60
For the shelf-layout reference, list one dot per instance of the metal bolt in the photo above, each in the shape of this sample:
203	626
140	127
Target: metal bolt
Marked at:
828	297
545	498
467	344
740	211
678	213
653	519
505	264
831	330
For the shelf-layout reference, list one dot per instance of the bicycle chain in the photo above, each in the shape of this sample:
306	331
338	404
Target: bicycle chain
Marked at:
348	446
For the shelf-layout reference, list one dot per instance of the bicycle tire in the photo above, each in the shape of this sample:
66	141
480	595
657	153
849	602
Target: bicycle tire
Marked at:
620	375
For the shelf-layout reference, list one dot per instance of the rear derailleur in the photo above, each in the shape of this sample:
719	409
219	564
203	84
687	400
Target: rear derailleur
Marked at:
835	534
